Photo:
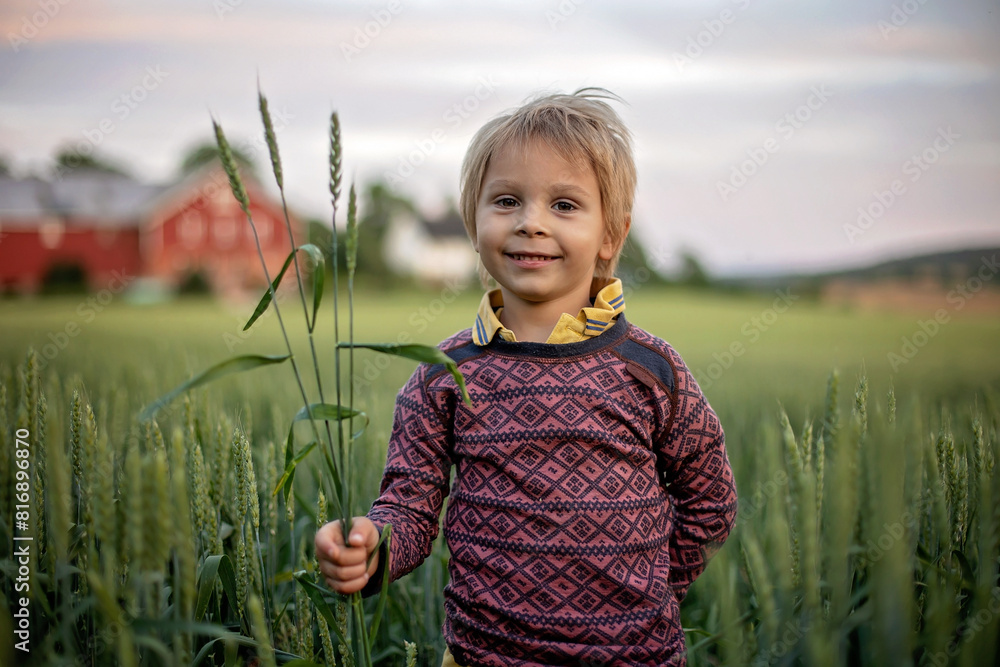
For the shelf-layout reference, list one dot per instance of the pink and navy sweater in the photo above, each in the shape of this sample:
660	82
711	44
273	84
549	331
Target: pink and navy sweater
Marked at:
592	485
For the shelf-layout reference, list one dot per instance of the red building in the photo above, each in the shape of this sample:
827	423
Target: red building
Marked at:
104	226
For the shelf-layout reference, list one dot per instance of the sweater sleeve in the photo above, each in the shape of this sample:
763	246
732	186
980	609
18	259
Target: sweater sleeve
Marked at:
700	481
415	480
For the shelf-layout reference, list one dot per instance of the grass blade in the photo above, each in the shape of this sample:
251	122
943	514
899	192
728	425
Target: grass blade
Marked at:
265	300
318	278
221	567
425	353
318	597
228	367
290	465
384	592
206	585
327	412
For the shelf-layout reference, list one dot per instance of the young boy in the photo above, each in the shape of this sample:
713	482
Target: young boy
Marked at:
592	482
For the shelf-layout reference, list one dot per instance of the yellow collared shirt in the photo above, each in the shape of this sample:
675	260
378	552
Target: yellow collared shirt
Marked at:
609	302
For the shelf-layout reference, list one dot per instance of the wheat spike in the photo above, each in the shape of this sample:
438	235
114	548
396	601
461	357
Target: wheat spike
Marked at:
206	514
351	242
335	158
75	439
154	437
329	658
960	509
892	405
272	142
90	474
159	520
265	484
340	615
232	171
220	462
242	567
861	402
247	501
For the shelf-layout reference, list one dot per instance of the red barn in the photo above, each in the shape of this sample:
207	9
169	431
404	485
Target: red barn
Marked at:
112	229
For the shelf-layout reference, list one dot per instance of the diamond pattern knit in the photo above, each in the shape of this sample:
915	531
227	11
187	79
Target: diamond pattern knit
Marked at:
592	485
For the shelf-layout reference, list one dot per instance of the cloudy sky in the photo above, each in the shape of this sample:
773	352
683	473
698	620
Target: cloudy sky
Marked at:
762	127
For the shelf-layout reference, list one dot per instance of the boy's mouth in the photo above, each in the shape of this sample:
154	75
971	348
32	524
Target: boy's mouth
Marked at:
526	257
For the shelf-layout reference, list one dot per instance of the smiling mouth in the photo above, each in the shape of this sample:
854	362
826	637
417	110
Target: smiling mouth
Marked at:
531	258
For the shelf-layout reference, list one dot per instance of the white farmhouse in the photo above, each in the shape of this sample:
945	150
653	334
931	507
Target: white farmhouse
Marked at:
432	252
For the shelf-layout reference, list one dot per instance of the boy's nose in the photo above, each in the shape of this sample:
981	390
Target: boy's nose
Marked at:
530	222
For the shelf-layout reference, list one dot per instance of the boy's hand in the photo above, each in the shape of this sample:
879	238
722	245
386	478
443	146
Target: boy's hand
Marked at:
343	565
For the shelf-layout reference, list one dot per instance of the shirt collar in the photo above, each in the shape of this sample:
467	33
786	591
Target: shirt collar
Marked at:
608	301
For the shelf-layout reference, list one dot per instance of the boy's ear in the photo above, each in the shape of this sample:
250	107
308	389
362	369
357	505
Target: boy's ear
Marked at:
474	239
609	248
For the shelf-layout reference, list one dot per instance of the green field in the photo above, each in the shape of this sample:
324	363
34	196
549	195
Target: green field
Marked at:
789	352
802	580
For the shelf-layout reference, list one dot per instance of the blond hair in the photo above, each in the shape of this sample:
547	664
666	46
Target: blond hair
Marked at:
582	128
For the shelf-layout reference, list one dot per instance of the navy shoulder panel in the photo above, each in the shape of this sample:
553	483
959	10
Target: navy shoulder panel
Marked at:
458	355
649	358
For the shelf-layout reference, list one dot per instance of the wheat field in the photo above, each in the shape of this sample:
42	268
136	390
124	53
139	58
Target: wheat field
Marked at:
867	533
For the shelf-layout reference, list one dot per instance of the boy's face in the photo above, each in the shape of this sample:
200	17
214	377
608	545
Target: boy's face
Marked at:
540	226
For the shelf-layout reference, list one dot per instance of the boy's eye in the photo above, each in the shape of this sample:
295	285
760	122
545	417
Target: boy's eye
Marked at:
564	206
507	202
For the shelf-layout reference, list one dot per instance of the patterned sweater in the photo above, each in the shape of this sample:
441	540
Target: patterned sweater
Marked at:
592	485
